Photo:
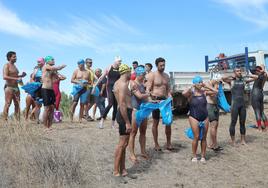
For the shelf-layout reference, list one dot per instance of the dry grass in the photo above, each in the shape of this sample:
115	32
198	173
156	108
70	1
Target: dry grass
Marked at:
29	160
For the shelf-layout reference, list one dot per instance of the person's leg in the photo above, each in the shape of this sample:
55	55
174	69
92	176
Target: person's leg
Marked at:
242	120
28	106
234	116
213	134
114	111
45	116
123	169
257	111
57	103
51	113
8	100
204	140
132	136
81	112
108	107
195	128
94	111
168	136
16	100
156	117
143	128
118	155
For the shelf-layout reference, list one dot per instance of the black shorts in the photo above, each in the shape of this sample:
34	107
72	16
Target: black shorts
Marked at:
156	113
120	120
48	96
213	112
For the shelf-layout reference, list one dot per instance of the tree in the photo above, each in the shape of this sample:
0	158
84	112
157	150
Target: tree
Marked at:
65	105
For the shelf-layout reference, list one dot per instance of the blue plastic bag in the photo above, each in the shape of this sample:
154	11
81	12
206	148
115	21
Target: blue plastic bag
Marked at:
96	92
222	102
31	87
189	132
166	111
77	88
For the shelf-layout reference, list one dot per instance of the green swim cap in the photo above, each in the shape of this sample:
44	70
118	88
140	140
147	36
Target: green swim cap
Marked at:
48	59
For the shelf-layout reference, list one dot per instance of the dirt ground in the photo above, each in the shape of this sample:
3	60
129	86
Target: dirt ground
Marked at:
242	166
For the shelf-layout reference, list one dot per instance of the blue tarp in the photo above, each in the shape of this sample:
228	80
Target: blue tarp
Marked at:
147	108
189	132
222	102
31	87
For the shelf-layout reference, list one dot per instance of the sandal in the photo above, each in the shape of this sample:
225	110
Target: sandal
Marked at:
194	159
203	160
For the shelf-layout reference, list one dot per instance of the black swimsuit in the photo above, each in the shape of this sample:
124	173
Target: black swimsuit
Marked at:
198	107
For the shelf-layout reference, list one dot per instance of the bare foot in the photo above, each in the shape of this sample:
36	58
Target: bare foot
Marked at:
116	174
144	155
232	143
133	159
124	172
243	142
157	148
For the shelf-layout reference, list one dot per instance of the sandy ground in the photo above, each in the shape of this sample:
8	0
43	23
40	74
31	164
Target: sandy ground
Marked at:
242	166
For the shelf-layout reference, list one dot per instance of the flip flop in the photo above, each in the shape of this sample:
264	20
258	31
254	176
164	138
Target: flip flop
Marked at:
157	149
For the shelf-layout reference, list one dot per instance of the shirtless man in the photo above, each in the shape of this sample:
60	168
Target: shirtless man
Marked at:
123	117
158	85
12	92
47	92
81	77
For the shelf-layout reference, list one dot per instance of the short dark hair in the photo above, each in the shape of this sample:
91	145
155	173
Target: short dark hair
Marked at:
135	62
158	60
89	59
10	54
149	65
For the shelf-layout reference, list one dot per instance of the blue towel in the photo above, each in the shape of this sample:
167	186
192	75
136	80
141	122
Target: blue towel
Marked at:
77	88
189	132
31	87
147	108
222	102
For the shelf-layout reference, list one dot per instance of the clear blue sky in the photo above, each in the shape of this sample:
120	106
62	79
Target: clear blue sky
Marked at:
182	32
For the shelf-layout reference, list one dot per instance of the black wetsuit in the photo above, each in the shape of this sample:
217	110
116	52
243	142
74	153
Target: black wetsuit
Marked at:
257	99
238	106
113	76
198	107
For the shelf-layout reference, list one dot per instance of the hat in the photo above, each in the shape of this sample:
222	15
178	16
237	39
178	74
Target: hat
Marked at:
140	71
81	62
197	79
123	68
48	59
117	58
41	60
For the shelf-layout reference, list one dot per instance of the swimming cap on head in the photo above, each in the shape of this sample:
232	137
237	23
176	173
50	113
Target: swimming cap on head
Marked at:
197	79
41	60
140	71
123	68
81	62
48	59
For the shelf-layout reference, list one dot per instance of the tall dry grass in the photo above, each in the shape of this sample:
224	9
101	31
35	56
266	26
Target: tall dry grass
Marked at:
30	159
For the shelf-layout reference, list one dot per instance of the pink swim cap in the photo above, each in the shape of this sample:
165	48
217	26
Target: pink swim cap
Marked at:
41	60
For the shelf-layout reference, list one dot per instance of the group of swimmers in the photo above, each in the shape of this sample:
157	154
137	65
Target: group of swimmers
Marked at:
126	89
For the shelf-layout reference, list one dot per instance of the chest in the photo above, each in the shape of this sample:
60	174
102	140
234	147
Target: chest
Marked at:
160	80
13	70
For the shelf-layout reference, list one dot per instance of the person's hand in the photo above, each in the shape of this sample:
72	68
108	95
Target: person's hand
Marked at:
128	128
23	74
62	66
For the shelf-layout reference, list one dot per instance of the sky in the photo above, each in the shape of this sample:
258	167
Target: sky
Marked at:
182	32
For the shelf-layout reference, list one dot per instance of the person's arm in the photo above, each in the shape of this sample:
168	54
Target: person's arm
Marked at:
102	89
102	76
137	92
74	80
54	68
61	77
187	92
123	106
169	87
227	79
149	84
5	74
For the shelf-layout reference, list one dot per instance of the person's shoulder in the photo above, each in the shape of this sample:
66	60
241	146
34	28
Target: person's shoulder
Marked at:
166	75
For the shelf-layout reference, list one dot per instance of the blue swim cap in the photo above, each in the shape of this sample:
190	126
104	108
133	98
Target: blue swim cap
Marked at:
81	62
197	79
140	71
